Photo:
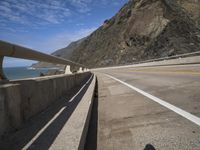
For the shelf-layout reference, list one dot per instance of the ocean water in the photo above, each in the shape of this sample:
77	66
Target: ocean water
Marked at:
13	73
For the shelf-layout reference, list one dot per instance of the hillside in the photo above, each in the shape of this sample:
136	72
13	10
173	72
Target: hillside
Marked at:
141	30
64	53
67	51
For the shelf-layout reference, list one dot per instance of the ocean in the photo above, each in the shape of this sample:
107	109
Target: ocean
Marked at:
13	73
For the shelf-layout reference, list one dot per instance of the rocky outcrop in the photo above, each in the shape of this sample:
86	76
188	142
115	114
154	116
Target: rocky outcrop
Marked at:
142	29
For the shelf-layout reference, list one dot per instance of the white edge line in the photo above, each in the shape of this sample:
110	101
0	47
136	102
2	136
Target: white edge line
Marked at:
54	117
179	111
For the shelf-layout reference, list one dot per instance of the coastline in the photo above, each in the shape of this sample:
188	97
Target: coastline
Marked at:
13	73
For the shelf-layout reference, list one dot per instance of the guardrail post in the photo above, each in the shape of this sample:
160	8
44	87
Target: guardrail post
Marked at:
80	70
67	69
2	76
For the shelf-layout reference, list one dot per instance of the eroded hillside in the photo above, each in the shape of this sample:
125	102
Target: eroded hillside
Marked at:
143	29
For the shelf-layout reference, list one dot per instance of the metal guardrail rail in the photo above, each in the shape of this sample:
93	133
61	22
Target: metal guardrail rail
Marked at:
12	50
16	51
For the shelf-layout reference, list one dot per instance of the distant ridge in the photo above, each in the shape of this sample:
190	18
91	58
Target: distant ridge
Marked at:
63	52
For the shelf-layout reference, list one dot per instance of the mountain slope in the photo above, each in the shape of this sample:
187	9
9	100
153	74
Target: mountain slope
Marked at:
143	29
64	53
67	51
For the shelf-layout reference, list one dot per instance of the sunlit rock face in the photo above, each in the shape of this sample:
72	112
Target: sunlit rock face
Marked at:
143	29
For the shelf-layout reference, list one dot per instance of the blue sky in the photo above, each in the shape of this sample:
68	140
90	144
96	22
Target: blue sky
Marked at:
47	25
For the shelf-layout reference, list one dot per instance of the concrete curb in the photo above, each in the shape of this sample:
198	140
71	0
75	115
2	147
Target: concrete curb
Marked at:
87	122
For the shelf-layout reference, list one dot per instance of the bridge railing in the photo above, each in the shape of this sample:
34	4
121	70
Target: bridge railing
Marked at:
16	51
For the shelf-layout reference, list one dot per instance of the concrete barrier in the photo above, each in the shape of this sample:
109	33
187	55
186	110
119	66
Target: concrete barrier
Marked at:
177	61
10	114
22	99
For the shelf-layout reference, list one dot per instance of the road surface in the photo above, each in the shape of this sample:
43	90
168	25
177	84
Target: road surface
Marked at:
130	118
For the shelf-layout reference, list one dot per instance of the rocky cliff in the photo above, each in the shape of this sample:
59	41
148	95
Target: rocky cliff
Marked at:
142	29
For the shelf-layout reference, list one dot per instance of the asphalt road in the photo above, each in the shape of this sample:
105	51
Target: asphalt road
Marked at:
130	120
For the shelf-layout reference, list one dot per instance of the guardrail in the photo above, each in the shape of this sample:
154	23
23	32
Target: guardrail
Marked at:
12	50
16	51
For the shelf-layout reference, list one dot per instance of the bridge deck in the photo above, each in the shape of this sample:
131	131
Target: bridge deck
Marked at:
129	120
123	118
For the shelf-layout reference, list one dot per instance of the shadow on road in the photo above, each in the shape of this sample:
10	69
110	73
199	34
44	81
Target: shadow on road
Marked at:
43	124
149	147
